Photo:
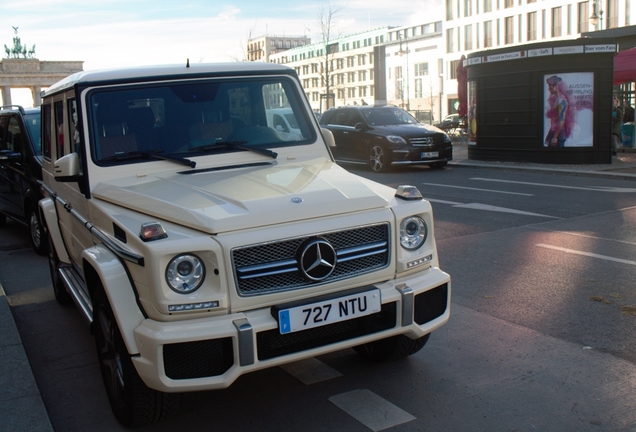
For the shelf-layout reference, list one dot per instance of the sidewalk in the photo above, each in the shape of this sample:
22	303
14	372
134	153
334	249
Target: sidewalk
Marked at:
623	165
21	404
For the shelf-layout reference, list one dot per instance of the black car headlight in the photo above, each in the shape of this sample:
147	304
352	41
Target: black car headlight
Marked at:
185	273
394	139
413	232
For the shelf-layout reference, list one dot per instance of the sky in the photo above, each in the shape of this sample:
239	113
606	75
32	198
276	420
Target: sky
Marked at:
118	33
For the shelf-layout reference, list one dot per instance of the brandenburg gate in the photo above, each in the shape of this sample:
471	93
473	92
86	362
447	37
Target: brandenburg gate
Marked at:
20	69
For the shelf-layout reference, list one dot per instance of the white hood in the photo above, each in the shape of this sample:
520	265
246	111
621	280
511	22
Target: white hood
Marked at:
223	200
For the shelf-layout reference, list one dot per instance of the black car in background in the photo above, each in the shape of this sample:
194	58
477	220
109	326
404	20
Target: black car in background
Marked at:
385	136
20	170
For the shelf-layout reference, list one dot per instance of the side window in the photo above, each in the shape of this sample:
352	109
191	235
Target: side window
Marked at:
3	128
72	124
46	131
341	118
14	136
59	127
355	118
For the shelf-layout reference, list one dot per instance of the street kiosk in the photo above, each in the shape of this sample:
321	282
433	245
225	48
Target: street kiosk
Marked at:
542	103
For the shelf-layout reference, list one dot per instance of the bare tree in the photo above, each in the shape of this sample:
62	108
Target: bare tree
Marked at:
245	50
326	18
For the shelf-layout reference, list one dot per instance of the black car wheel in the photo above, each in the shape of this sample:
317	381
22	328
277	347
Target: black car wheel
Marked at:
378	159
61	295
392	348
38	240
132	402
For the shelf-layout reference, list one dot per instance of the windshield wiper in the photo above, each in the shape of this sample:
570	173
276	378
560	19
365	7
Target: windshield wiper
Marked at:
138	154
235	145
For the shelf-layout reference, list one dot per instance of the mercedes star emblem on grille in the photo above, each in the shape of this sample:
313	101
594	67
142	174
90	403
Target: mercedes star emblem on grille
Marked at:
317	259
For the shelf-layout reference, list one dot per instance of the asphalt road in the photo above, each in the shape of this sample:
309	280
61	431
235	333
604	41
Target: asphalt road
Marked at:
541	335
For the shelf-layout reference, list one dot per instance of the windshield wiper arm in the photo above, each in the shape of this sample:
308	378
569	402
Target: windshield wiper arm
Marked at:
235	145
150	154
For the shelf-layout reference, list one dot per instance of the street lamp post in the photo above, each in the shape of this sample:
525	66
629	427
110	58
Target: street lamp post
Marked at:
401	53
596	19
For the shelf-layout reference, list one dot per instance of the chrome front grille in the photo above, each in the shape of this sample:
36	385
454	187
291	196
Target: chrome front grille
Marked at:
425	141
274	267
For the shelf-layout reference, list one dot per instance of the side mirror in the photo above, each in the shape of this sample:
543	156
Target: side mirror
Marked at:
9	156
67	168
359	126
328	137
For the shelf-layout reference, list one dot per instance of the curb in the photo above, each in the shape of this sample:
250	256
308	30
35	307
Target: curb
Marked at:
21	404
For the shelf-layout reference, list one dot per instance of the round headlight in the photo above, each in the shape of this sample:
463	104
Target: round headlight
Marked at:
185	273
413	232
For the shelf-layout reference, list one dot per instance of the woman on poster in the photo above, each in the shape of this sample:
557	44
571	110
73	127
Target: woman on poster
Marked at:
560	114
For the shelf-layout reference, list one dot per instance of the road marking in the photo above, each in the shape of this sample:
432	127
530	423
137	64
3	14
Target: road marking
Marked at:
589	188
486	207
370	409
478	189
310	371
588	254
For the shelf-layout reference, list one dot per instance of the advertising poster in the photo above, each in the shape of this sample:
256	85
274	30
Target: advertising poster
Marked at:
568	111
472	113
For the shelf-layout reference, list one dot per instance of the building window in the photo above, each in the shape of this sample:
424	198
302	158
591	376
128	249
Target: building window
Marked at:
362	75
556	22
350	61
508	3
418	87
351	77
569	20
362	91
468	37
468	8
398	72
612	13
421	69
509	30
453	69
543	24
583	18
487	5
362	59
351	92
450	40
449	10
487	34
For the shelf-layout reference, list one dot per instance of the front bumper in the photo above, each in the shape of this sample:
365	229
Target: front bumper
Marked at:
206	354
416	155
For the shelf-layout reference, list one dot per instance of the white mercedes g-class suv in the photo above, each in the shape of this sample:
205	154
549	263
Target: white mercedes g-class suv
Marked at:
200	245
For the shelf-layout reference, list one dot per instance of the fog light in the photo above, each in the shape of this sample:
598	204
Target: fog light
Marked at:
193	306
419	262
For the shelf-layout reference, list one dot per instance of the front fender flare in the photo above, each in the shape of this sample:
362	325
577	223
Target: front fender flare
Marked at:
119	290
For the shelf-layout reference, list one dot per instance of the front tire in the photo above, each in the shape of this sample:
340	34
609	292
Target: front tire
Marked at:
392	348
378	159
61	295
38	239
132	402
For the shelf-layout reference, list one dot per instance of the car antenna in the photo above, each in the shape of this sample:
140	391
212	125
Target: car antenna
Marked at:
188	63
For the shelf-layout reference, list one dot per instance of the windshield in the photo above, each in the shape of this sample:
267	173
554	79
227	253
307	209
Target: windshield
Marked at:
33	124
189	119
388	116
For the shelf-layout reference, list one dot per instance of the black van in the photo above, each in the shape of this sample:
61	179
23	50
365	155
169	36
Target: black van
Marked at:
20	170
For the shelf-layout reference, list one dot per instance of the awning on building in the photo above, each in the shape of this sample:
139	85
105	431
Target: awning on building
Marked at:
625	66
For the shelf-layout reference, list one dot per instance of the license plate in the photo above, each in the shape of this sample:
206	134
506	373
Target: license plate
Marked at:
429	155
329	311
